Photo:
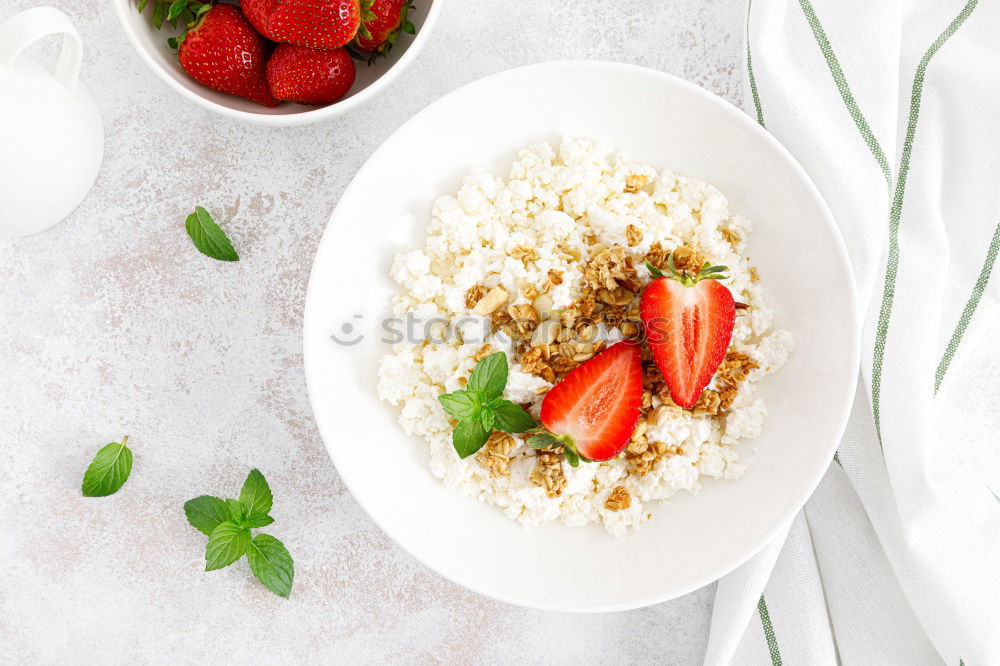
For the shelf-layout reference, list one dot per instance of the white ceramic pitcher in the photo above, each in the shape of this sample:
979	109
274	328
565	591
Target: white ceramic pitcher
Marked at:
51	137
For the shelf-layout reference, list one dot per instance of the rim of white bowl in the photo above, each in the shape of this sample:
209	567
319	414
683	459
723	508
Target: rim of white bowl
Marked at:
849	391
286	119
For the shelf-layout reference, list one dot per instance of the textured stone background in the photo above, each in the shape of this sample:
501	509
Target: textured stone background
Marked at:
112	323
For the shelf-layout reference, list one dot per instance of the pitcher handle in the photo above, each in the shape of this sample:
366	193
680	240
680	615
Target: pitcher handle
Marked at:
26	28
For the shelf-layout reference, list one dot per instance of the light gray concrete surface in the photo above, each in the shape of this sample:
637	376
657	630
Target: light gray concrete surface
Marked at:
112	323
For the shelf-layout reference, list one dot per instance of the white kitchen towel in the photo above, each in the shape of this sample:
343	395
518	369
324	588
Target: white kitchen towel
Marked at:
893	107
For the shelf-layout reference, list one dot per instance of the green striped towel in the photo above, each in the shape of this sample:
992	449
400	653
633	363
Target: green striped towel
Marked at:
893	107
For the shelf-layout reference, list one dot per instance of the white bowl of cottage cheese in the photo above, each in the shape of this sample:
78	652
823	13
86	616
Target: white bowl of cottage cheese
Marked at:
519	215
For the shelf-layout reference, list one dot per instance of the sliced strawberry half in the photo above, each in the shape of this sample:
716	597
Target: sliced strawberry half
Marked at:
688	321
594	409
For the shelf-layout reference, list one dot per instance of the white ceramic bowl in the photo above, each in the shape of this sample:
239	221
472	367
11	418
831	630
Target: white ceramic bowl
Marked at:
151	44
657	119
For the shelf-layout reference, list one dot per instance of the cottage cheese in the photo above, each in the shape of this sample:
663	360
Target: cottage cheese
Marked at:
567	197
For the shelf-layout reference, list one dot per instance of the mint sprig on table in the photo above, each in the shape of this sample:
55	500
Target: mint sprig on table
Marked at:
480	409
209	237
228	524
109	470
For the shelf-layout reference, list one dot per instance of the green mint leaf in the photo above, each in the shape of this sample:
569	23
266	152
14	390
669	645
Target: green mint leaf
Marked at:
206	512
109	470
489	377
463	405
256	494
176	8
469	437
142	5
159	11
572	457
208	237
227	543
237	512
486	418
272	564
543	440
511	418
258	520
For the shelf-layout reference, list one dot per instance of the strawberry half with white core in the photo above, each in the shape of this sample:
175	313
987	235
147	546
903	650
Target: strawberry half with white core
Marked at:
593	411
688	319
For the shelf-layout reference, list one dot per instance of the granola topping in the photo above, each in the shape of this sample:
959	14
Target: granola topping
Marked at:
548	473
618	499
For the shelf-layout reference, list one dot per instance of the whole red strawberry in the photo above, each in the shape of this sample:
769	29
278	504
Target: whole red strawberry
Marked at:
593	411
689	322
319	24
223	52
378	34
309	76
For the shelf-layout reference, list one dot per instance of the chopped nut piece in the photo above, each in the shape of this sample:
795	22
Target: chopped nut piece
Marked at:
742	306
548	473
686	259
647	399
525	318
629	329
556	277
474	295
618	499
494	457
525	254
618	296
634	182
731	236
633	235
546	333
543	306
561	365
643	456
754	276
657	255
607	267
483	352
708	403
489	303
532	363
530	292
462	381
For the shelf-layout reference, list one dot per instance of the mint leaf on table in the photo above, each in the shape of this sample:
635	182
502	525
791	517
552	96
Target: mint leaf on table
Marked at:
228	524
208	237
479	408
271	563
256	494
205	513
109	470
227	543
237	512
258	520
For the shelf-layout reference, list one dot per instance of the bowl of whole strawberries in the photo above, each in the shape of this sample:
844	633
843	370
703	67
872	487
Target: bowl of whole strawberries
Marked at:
278	62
